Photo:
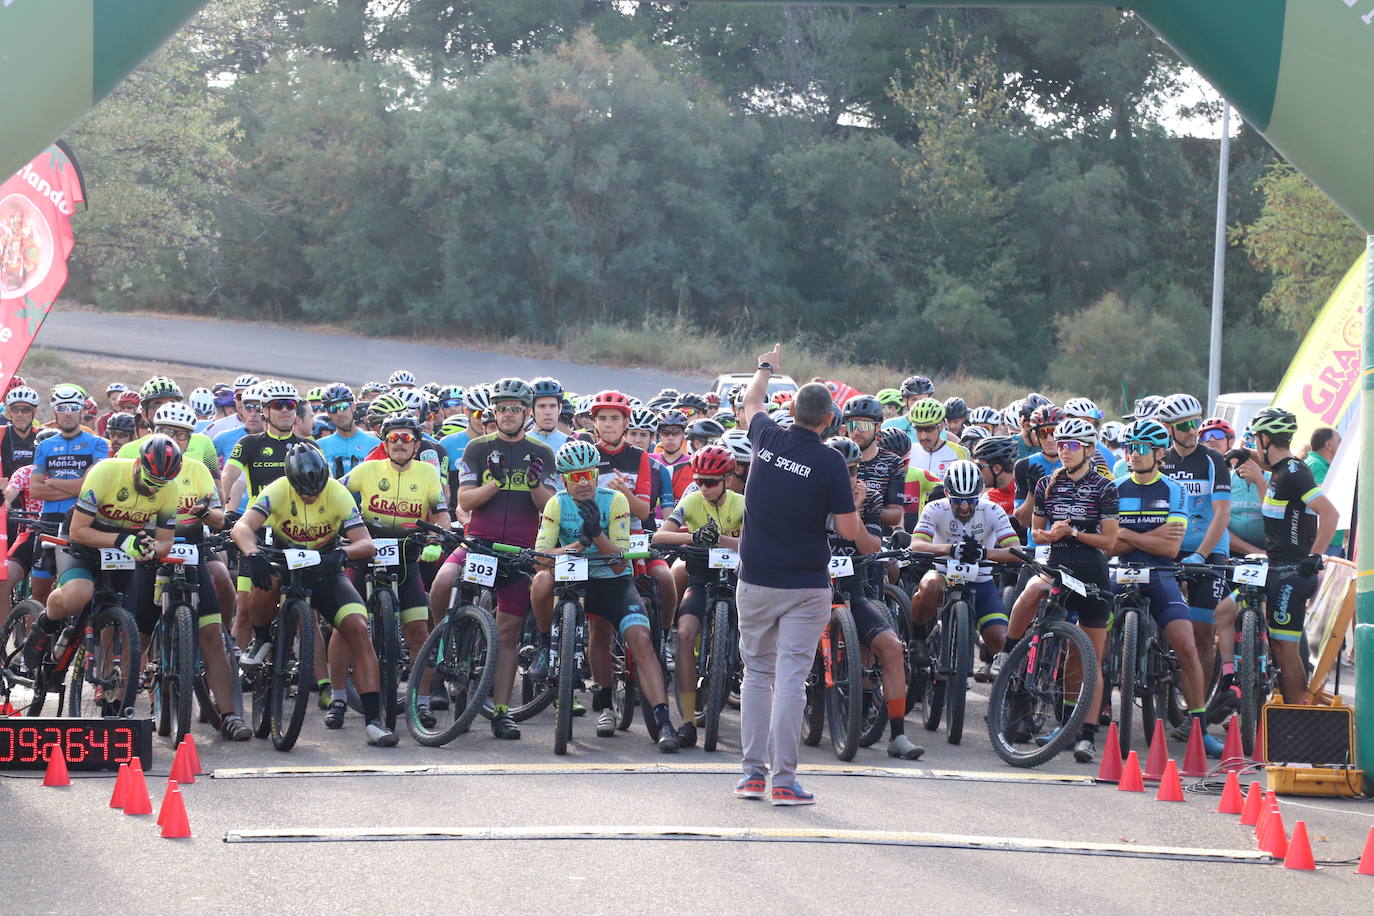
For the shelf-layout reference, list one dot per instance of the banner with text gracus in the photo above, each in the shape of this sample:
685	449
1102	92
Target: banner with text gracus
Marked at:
36	207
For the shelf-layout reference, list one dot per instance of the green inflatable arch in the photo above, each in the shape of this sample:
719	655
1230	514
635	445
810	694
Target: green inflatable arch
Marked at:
1296	69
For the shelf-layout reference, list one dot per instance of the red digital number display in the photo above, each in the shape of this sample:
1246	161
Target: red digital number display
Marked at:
85	744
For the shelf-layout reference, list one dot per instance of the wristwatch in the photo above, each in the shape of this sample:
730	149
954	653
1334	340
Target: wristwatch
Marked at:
766	365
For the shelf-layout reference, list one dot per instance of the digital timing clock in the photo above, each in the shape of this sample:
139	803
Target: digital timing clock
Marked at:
86	744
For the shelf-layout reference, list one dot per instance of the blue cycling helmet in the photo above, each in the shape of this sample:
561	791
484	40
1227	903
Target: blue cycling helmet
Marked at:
1147	432
547	388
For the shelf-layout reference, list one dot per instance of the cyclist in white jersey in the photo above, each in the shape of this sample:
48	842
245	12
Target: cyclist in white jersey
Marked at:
930	452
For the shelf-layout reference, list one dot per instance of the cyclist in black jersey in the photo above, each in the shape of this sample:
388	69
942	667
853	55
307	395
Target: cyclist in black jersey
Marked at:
17	440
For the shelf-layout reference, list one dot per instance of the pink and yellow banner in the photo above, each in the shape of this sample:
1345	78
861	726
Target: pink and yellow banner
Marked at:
1322	382
36	207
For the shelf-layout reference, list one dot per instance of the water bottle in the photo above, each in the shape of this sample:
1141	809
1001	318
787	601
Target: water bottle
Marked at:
63	640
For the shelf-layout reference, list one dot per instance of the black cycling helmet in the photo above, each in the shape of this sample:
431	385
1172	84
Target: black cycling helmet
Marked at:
836	419
955	409
160	458
918	386
401	421
863	407
307	470
704	428
693	401
895	441
672	418
847	448
546	388
1032	401
1000	450
122	423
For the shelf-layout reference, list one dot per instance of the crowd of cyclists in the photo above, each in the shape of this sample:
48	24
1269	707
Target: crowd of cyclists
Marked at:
535	468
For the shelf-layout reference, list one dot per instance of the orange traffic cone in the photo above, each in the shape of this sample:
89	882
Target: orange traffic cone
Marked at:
1195	758
1110	770
1299	850
57	768
1250	814
136	798
121	785
1232	754
1367	857
1159	752
162	809
1170	788
1231	802
1275	837
173	820
1130	775
182	766
190	742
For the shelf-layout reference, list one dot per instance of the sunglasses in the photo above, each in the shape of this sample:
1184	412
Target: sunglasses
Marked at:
863	424
587	475
508	408
1069	445
176	432
252	408
451	402
339	406
400	438
928	429
1186	426
1138	448
20	408
283	404
67	408
1214	435
151	482
963	500
709	481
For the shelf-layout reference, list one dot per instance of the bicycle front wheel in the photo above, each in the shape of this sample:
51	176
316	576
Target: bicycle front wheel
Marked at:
293	667
383	618
1130	679
105	683
458	663
717	674
568	675
1248	679
28	695
1030	689
961	619
179	677
844	697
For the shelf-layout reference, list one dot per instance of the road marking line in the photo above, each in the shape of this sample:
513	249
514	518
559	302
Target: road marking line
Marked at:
595	769
750	835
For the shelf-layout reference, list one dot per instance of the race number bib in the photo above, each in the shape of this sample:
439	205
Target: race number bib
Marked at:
480	570
1073	585
570	569
188	554
639	543
1251	574
1128	574
720	558
841	567
961	572
1042	553
388	552
114	558
300	559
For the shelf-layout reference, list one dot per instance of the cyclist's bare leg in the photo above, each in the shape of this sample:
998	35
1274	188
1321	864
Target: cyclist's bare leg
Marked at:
599	651
40	589
888	648
994	637
217	668
1027	603
1180	634
641	645
688	629
1225	618
541	599
1205	641
667	590
925	604
508	627
224	589
340	657
1293	674
366	674
440	591
68	600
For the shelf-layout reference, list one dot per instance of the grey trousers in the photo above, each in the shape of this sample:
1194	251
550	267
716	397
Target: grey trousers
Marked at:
778	632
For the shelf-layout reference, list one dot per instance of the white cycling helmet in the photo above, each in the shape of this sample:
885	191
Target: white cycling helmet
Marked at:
253	394
737	441
963	480
1074	429
203	402
1083	408
413	398
401	379
244	382
175	414
584	404
274	389
66	396
989	416
1111	432
1178	407
23	395
972	435
1011	417
643	418
477	398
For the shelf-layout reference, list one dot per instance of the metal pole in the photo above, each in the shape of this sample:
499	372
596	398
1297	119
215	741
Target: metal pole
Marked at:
1219	263
1364	544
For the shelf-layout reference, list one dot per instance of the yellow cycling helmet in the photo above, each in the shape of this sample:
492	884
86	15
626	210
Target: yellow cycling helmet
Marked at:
926	412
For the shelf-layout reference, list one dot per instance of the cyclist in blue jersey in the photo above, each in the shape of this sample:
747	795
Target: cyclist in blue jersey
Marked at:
548	405
348	446
60	464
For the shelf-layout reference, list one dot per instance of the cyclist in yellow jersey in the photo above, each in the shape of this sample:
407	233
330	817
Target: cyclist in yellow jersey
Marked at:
119	500
712	516
392	494
156	393
308	508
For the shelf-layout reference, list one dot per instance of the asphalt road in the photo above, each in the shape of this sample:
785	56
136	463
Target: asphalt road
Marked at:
67	849
324	357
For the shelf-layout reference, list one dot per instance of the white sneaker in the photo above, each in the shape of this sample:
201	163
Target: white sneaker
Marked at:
256	655
998	661
380	735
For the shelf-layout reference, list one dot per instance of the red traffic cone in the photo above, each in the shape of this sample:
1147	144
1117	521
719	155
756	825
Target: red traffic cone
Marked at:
1367	857
196	767
1267	810
1170	788
1275	837
136	799
162	809
1231	802
1195	757
121	784
1159	752
183	770
1299	850
1249	815
175	826
1232	754
1110	770
1130	775
8	710
57	768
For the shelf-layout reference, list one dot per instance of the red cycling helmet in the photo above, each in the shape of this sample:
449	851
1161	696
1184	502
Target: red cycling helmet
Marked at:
160	458
127	401
1212	423
15	382
1046	415
782	398
611	400
712	399
713	461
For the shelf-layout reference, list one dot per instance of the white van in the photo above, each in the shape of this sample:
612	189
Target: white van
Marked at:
1237	408
776	383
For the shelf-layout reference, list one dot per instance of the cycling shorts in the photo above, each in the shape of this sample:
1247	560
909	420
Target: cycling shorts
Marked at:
21	552
149	604
512	592
616	601
693	597
332	596
44	563
988	609
1165	599
1090	566
411	597
870	619
1286	596
1205	591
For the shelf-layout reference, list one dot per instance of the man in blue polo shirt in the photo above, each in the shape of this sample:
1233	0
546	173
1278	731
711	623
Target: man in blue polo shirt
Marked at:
60	464
795	484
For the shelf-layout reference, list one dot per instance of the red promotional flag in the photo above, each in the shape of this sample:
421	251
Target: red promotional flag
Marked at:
840	392
36	207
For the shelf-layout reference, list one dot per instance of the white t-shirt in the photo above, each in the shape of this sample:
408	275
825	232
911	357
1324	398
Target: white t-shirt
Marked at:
988	525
